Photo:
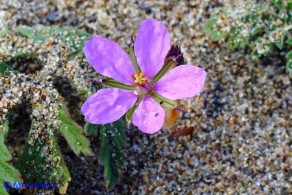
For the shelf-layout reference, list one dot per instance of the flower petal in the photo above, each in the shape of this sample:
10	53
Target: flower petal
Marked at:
107	105
181	82
151	46
109	59
149	116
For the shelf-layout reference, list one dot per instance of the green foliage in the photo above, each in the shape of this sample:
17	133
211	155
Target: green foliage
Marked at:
289	55
289	42
22	55
70	35
91	129
111	154
253	24
7	172
4	153
32	160
41	158
3	32
289	61
208	28
73	133
4	67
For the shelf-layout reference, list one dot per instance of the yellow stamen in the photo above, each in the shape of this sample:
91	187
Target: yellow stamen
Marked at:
139	78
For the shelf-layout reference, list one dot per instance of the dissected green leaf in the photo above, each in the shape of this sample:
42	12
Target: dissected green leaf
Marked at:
4	67
289	41
84	90
73	133
3	32
33	165
26	31
74	37
111	154
25	55
278	4
7	172
289	65
232	39
255	54
281	41
289	55
289	5
208	28
250	24
66	178
91	129
4	153
7	65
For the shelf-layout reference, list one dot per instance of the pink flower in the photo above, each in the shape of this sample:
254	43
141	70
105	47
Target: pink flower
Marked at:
143	82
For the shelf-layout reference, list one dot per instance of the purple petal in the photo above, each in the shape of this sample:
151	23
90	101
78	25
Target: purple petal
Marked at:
109	59
149	116
151	46
181	82
107	105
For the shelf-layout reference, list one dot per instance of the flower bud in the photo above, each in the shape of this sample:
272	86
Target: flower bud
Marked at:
176	54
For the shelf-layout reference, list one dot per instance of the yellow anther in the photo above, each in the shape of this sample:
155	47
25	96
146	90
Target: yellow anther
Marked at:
139	78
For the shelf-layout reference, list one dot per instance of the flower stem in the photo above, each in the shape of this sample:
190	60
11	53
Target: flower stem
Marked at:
108	82
168	65
129	114
134	59
163	101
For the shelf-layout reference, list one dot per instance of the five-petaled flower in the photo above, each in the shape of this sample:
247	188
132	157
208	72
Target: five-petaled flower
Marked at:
142	83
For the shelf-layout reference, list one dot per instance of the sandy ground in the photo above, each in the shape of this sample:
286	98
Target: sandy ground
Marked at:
241	138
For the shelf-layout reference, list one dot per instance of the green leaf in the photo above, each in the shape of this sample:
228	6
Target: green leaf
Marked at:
4	152
75	38
25	31
25	55
255	55
4	67
84	91
3	32
208	28
233	38
7	172
289	55
289	5
34	164
73	133
289	66
61	170
278	4
111	155
280	42
289	42
91	129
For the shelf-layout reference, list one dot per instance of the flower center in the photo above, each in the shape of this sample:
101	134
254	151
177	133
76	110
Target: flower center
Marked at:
139	79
